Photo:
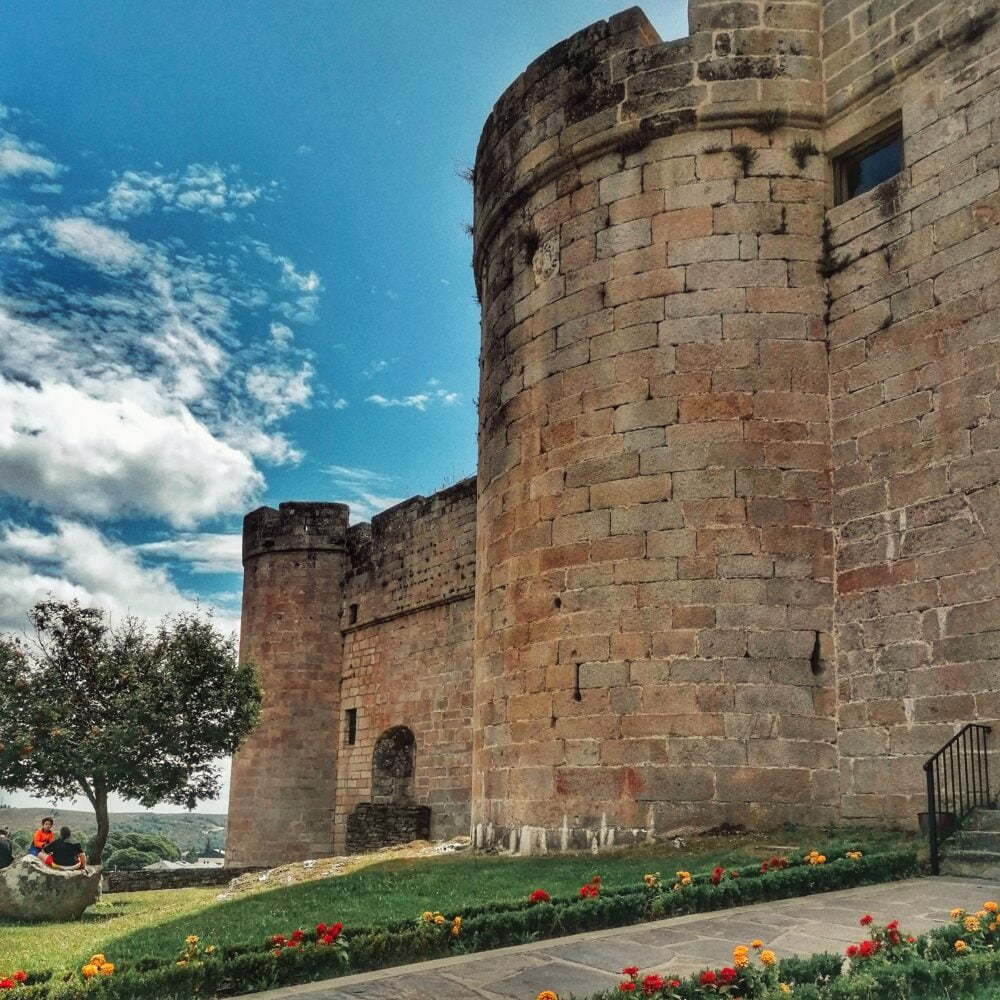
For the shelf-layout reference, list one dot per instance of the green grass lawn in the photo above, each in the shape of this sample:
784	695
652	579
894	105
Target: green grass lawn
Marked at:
129	926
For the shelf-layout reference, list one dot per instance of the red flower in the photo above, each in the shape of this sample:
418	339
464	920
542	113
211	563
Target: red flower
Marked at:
728	975
539	896
674	983
334	930
763	867
708	978
21	977
297	935
278	939
866	920
321	929
652	983
627	987
867	948
591	891
630	970
6	984
893	925
852	951
912	939
717	874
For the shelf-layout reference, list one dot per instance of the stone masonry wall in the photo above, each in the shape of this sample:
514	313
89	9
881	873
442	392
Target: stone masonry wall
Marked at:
654	604
282	791
408	656
914	353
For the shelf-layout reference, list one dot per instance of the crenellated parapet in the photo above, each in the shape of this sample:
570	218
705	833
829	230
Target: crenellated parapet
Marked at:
295	527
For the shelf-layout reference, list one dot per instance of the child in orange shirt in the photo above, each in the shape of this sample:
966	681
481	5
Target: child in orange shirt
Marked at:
42	837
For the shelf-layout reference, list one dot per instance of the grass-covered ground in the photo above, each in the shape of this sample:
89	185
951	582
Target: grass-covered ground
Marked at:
136	925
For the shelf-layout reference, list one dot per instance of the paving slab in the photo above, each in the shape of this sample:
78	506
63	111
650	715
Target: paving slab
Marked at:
587	963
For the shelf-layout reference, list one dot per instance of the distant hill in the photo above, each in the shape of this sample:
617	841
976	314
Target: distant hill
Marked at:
187	830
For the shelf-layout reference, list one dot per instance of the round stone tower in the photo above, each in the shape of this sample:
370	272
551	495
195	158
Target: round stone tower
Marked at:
281	804
654	596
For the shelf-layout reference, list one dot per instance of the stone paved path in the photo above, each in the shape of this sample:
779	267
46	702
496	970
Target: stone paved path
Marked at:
586	963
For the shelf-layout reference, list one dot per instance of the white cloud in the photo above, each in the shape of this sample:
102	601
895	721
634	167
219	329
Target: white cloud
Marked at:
339	403
359	486
204	552
17	159
281	335
68	451
201	188
75	561
376	367
290	277
355	474
416	401
364	505
104	248
280	390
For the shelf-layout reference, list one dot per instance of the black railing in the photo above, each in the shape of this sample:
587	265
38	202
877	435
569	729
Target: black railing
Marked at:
958	781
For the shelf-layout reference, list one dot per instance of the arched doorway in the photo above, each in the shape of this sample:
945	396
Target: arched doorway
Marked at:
392	766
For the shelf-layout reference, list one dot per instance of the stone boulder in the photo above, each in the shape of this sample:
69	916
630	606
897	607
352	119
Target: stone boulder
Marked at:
31	891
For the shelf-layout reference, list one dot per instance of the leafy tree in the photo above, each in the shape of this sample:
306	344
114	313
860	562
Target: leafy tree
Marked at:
88	706
128	859
158	848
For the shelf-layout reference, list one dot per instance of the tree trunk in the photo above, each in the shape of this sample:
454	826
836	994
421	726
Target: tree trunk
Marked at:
103	823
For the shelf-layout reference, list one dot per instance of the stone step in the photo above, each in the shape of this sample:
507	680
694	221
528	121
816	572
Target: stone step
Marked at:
984	819
971	864
977	840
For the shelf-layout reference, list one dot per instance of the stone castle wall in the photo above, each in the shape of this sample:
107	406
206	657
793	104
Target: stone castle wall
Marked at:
408	656
914	339
732	550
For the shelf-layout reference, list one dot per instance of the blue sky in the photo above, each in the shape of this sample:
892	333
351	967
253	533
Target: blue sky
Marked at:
233	271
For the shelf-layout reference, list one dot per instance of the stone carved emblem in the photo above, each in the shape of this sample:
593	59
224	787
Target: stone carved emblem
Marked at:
545	263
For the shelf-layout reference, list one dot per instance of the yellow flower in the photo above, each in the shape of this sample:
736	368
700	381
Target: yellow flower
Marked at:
97	959
210	950
768	957
971	924
756	944
547	995
107	969
961	946
652	879
182	961
427	916
982	914
741	956
992	926
456	927
439	919
784	987
956	913
991	907
89	970
855	855
191	939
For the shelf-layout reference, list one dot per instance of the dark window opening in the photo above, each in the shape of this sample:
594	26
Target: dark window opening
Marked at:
351	718
352	615
869	163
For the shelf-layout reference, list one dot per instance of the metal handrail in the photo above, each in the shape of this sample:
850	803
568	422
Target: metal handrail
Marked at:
958	781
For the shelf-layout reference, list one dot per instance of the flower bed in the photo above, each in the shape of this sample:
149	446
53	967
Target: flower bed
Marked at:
952	961
329	950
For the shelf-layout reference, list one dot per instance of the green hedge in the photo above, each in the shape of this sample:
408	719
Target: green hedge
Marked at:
253	967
